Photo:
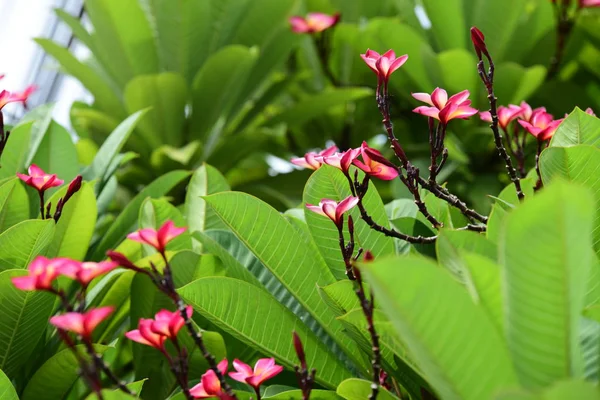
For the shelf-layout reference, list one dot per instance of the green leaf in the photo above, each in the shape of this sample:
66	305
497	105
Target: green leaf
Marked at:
7	390
205	180
297	394
282	250
216	87
578	128
110	150
166	96
450	339
14	203
75	227
261	322
183	32
56	376
316	105
340	297
575	164
359	389
123	38
104	95
330	183
574	389
517	83
56	153
23	321
79	31
448	24
545	282
127	220
451	244
15	152
21	243
154	213
457	69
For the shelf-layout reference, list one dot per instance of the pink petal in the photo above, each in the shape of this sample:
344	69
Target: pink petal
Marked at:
460	98
329	207
397	63
383	66
361	166
238	376
390	54
424	97
439	97
262	365
136	336
95	316
71	321
199	393
34	170
319	21
384	172
222	366
211	383
316	209
432	112
329	151
372	54
371	63
24	282
344	206
485	116
299	24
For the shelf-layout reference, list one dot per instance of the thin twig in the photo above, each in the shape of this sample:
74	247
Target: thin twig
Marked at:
105	368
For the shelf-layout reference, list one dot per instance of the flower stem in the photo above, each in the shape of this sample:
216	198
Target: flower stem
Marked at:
564	27
41	194
538	184
105	368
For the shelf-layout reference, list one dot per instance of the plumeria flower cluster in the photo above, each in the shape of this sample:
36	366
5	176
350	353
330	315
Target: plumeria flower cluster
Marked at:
42	181
7	97
444	108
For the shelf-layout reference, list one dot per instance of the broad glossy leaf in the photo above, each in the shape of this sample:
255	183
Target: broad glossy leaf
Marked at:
23	321
14	203
7	390
340	297
516	83
79	31
16	150
216	87
166	95
123	38
296	394
205	180
451	244
578	128
104	94
110	150
457	69
283	251
545	280
330	183
262	322
576	164
127	220
317	105
359	389
75	227
56	376
448	24
21	243
450	339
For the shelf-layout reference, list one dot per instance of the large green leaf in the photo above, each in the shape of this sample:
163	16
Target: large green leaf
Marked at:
577	164
154	213
56	153
317	105
359	389
123	38
578	128
216	87
127	220
110	150
23	321
183	31
14	203
7	390
205	180
545	282
330	183
263	323
166	96
315	394
516	83
451	339
75	227
448	24
21	243
104	94
15	152
281	249
56	376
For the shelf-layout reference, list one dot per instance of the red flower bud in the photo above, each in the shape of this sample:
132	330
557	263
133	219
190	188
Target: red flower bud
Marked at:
478	40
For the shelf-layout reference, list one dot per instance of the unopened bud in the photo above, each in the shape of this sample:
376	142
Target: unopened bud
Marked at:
478	40
121	259
368	257
299	350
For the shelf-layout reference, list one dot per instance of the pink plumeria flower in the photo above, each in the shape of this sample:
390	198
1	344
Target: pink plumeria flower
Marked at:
264	369
168	323
313	23
375	164
505	115
443	108
145	335
209	385
42	272
334	210
542	125
157	238
8	97
527	112
40	180
82	324
590	111
343	160
589	3
85	272
383	65
312	160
